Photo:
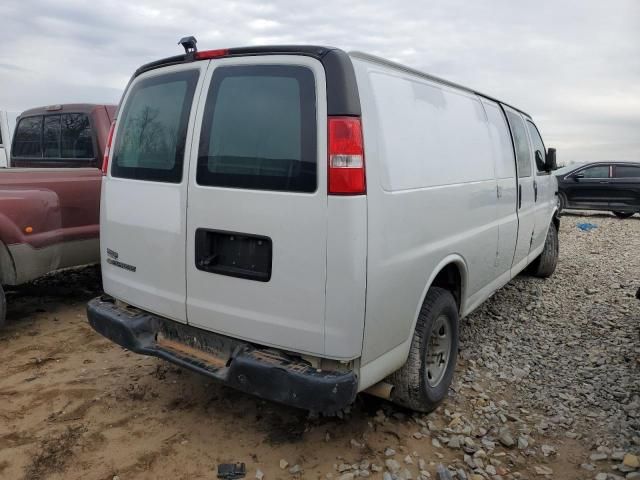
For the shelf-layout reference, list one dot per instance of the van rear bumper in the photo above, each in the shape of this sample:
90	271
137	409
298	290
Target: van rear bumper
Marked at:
266	373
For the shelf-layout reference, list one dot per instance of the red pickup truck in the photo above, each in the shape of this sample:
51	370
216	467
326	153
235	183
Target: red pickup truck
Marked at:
50	197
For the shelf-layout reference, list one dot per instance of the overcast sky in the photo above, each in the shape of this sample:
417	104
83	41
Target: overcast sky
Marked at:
573	65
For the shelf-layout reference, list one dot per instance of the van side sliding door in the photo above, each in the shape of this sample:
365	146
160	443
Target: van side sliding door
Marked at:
507	187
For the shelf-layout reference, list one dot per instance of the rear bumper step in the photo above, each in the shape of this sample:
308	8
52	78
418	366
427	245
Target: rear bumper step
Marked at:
266	373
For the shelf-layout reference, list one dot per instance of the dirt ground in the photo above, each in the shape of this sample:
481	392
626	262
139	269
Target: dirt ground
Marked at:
75	406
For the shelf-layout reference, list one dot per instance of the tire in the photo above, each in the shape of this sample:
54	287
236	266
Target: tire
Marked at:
419	385
623	215
3	307
546	263
562	202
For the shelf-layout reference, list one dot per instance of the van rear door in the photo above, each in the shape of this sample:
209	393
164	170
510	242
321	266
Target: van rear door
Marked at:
257	202
143	214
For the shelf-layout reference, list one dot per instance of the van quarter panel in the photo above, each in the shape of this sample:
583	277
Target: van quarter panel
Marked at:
427	199
346	275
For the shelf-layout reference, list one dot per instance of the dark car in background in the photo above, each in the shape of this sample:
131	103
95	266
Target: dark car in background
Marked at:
608	186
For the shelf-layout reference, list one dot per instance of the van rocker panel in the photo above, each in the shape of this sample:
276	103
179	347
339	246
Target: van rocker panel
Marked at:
266	373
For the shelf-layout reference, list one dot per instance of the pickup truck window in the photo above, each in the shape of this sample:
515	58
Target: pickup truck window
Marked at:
152	133
259	129
28	138
76	139
56	136
52	136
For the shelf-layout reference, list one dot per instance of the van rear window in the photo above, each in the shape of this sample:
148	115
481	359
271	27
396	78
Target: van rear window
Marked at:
259	129
152	134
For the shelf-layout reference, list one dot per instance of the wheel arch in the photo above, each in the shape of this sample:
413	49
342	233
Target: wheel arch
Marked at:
450	274
7	266
389	362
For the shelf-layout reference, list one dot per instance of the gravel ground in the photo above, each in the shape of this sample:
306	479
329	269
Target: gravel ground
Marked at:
547	387
569	346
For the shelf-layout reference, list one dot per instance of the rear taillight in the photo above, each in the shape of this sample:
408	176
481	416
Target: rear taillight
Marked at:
107	149
346	157
209	54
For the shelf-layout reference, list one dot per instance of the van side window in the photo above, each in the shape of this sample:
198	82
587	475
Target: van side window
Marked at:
28	138
521	142
503	148
152	133
259	129
538	144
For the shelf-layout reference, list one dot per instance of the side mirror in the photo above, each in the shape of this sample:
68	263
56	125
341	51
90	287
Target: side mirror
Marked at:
578	176
550	163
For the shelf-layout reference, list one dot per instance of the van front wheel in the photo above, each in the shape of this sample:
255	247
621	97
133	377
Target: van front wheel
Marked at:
546	263
423	382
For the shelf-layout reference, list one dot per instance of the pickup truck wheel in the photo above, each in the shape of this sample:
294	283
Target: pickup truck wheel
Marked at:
423	382
623	215
546	263
3	307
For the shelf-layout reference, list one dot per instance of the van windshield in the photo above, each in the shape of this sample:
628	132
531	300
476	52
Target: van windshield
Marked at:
259	129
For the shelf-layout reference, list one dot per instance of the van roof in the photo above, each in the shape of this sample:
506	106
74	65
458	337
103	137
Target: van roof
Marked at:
342	92
404	68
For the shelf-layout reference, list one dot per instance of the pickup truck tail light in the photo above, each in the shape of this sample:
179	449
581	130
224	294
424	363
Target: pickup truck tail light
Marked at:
107	149
346	157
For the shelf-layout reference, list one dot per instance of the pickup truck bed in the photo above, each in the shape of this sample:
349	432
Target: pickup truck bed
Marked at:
49	219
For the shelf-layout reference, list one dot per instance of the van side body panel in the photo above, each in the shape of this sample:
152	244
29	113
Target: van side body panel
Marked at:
431	194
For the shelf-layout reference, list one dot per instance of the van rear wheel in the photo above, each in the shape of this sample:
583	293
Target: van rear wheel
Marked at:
423	382
546	263
3	307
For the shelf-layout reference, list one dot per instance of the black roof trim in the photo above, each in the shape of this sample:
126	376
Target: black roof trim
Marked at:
342	88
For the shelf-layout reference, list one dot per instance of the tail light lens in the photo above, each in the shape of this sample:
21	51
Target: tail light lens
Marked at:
346	157
107	149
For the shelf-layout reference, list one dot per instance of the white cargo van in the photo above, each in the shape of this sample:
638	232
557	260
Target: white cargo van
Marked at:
7	125
304	224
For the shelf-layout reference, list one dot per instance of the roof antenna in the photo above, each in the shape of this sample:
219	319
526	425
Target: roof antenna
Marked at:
189	44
